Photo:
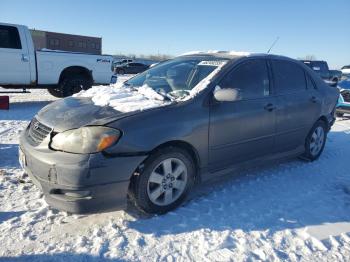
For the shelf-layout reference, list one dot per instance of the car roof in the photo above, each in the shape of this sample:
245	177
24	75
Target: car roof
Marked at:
232	55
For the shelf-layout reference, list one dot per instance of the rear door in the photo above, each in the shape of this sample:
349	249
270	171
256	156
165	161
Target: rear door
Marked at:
298	104
243	129
14	57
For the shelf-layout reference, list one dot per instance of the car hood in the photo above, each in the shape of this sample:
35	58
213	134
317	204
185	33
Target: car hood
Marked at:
75	112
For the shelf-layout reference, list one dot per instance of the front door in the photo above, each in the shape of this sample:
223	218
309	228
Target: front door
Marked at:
244	129
14	58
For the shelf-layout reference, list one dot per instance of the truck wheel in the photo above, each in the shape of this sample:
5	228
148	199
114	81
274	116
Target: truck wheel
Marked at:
338	114
335	82
74	84
56	92
121	71
166	179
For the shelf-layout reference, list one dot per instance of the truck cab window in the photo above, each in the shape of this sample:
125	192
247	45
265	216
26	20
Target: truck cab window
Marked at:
9	37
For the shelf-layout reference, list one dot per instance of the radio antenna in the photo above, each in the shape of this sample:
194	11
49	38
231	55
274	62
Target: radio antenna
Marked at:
273	44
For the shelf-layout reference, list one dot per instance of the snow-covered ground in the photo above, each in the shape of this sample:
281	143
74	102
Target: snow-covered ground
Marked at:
294	211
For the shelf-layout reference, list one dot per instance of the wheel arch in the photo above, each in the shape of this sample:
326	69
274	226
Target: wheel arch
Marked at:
176	144
325	120
76	70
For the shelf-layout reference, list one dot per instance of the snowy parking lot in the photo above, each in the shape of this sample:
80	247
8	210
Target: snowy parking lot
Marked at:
294	211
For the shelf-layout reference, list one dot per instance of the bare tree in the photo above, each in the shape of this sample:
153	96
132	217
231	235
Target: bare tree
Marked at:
308	57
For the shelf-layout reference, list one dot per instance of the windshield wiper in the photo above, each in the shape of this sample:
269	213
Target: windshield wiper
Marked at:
130	86
165	96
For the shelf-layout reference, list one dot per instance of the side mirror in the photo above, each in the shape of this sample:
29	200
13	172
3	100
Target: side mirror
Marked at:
226	95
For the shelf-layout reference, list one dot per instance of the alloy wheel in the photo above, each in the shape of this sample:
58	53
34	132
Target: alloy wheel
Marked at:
167	182
317	141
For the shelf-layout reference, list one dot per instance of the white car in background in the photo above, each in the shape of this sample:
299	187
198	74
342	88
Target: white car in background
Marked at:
62	73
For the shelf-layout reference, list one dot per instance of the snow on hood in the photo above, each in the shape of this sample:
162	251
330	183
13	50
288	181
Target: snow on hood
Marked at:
125	99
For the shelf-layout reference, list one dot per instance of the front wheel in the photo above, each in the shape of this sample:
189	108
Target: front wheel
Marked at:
315	141
165	181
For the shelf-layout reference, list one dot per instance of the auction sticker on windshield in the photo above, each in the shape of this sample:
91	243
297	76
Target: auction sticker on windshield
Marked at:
213	62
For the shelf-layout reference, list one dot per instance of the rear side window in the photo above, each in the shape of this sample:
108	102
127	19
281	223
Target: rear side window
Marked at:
251	78
288	76
9	37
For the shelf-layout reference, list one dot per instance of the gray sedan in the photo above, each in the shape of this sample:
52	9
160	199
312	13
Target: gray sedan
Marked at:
208	114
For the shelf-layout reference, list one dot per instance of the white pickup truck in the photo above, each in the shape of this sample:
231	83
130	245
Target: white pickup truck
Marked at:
62	73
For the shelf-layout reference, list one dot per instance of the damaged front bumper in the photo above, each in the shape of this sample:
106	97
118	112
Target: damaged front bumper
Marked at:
79	183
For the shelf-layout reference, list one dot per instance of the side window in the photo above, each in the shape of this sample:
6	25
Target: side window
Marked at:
9	37
250	78
289	77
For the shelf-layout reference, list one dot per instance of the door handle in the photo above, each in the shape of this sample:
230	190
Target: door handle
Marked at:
25	58
314	99
269	107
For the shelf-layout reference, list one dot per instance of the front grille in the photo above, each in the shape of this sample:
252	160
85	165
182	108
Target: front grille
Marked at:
37	132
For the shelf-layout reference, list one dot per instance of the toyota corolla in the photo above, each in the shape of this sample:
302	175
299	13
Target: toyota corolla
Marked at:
182	121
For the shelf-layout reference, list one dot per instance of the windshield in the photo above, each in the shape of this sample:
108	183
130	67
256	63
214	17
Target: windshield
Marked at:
177	77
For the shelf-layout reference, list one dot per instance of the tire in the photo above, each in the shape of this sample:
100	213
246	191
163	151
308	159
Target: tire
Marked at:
335	82
56	92
338	114
73	84
315	141
155	190
121	71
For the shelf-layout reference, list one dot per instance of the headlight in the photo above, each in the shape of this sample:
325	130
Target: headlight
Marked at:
85	140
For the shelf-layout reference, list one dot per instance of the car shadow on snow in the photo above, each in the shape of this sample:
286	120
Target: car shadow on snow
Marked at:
289	195
5	215
22	110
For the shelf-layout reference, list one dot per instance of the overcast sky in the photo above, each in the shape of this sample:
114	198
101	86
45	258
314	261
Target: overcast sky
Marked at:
319	28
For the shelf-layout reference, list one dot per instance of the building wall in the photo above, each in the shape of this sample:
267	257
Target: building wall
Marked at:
67	42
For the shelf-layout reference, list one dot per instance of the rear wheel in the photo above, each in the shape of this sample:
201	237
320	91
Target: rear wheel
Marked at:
315	141
338	114
55	92
335	81
165	181
121	71
71	85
